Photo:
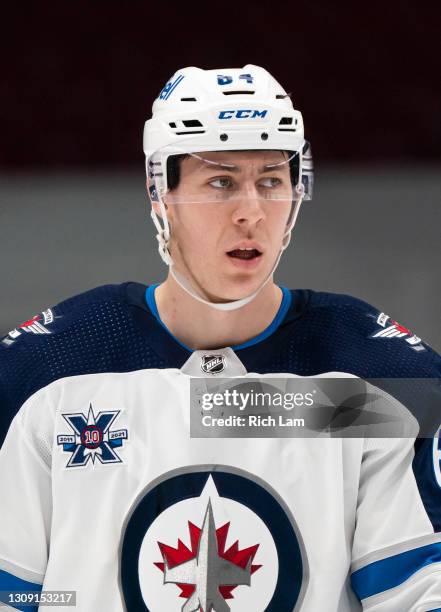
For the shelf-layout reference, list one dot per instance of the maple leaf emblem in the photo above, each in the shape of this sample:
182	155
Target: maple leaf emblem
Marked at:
206	573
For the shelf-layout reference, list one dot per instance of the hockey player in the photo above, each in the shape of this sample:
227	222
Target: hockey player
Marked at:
105	491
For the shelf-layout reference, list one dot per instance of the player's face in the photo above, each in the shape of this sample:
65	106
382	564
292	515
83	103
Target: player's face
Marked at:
227	240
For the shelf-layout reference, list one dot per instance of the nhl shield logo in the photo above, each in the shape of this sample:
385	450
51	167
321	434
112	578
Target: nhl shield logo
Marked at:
213	364
211	539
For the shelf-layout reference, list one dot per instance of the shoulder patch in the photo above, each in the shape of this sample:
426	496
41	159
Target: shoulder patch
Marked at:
388	329
91	437
58	318
40	324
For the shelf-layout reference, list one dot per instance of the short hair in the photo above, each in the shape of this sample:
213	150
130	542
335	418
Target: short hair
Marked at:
174	170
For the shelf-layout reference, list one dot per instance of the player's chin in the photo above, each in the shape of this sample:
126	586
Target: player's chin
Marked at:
238	283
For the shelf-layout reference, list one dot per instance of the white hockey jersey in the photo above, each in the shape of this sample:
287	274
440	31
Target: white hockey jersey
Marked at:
109	496
105	493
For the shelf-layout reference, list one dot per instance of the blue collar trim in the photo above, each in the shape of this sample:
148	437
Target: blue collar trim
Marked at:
151	303
283	309
272	327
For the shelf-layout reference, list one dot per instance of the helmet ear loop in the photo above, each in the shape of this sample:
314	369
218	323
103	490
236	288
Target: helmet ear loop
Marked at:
163	235
296	203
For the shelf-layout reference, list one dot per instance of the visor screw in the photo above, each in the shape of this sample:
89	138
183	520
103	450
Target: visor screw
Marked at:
223	137
264	136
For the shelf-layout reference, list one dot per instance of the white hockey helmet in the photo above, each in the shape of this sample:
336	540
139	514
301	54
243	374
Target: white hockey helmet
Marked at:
236	109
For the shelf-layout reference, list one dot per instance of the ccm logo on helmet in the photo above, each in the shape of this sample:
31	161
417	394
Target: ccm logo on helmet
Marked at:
242	114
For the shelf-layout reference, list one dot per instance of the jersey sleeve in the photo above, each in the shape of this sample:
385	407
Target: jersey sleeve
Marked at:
26	502
73	337
406	367
396	552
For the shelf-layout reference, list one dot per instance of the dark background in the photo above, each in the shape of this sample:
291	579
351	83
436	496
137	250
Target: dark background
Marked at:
78	78
78	81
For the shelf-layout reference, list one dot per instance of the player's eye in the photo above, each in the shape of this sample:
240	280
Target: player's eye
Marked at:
222	182
270	182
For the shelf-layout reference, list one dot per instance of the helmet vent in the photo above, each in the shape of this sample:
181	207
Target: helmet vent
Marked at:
237	93
188	100
287	121
187	123
282	96
191	123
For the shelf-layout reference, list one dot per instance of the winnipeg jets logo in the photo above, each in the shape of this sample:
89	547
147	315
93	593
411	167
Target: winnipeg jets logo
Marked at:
38	325
393	329
211	538
92	438
209	574
213	364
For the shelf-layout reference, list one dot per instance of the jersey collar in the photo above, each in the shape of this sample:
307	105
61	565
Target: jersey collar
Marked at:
266	333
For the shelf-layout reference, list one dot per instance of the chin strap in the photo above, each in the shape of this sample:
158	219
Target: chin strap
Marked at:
163	238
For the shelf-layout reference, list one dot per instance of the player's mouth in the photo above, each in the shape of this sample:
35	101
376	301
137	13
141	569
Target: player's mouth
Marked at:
245	255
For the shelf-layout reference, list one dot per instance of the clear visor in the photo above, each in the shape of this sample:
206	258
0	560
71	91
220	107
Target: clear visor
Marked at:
223	176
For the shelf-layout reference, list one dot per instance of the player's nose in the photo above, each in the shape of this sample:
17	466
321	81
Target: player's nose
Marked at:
248	206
